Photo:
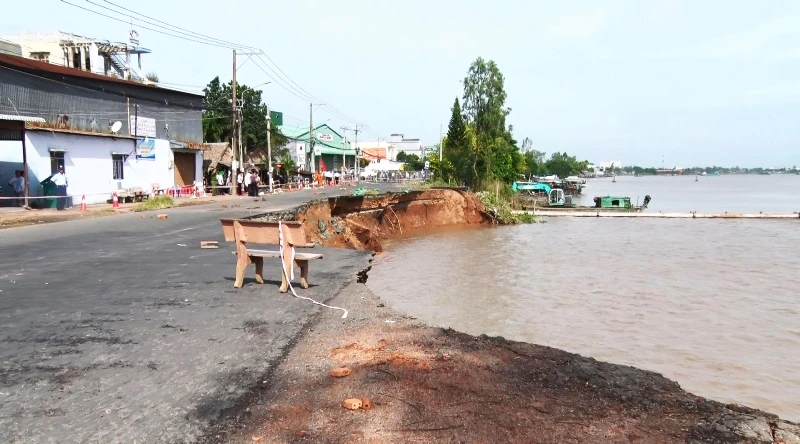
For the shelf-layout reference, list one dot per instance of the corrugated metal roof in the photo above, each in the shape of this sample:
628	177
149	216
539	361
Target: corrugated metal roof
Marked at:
21	118
35	67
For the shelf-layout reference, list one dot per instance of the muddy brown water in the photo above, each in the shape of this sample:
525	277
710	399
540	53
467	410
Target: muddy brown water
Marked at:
712	304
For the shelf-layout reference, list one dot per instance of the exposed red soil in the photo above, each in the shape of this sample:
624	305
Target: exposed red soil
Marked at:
433	385
365	223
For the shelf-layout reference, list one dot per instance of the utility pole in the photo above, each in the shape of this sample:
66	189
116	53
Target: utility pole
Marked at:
344	158
311	137
239	125
440	143
234	141
269	150
357	151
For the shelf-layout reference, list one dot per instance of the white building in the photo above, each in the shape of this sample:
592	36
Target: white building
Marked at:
84	53
399	143
109	134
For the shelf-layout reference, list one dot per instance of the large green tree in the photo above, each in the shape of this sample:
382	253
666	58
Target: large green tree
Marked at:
563	165
495	154
217	120
457	148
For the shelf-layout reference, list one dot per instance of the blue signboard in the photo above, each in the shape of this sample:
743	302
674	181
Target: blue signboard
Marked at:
146	149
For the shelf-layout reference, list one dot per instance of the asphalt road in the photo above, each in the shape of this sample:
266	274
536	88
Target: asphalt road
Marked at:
121	329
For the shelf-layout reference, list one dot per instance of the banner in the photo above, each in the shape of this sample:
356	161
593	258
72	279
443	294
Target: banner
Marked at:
143	126
146	149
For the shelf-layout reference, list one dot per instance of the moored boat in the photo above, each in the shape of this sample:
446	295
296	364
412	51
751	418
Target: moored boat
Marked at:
557	200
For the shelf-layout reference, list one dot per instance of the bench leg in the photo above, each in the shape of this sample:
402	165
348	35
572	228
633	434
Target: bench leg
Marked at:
287	265
259	261
303	273
241	266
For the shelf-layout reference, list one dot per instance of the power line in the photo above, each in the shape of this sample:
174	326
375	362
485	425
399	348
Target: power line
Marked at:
196	37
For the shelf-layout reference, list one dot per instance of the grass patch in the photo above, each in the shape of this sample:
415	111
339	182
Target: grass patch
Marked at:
501	202
155	203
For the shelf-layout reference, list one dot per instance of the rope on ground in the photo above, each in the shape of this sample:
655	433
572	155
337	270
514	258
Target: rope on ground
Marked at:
289	275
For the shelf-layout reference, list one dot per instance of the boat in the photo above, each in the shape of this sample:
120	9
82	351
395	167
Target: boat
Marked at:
557	200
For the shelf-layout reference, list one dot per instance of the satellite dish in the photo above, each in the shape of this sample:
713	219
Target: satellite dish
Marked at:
115	127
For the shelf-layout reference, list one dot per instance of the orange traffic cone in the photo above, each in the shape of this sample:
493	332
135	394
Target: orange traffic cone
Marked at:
115	201
83	202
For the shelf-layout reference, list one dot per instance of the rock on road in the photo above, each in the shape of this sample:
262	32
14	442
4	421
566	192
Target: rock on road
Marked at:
121	329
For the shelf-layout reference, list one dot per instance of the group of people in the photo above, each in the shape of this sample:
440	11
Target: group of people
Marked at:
248	182
17	184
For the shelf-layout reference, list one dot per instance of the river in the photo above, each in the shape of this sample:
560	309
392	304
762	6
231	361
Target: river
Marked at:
712	304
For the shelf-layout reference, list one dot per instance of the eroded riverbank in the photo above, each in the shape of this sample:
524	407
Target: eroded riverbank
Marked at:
428	384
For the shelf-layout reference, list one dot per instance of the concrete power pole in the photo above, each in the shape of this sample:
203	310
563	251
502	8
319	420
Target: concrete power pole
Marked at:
440	143
234	141
269	150
311	137
357	160
344	158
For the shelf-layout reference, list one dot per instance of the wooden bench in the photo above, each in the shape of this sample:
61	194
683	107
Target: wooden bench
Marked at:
242	231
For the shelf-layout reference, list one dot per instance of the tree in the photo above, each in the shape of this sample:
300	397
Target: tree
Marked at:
412	161
564	165
457	147
217	117
151	76
485	111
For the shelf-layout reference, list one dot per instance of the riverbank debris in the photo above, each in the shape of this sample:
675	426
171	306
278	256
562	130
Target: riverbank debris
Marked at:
209	244
341	372
352	404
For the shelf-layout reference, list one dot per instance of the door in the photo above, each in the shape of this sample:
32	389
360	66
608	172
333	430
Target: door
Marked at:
184	168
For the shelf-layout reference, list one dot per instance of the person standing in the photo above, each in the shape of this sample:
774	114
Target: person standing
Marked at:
17	184
247	180
61	182
253	191
240	182
220	182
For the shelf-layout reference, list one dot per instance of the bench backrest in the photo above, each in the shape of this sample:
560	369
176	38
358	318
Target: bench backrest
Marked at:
265	232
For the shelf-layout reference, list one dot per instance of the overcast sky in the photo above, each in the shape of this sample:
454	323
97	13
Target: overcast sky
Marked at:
695	82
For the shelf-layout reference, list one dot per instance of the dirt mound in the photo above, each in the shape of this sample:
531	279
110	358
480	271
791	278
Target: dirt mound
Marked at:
365	222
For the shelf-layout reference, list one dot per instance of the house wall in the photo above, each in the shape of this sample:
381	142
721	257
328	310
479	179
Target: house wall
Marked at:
88	164
94	105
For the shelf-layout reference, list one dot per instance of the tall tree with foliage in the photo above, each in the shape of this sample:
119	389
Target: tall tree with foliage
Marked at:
495	155
563	165
457	147
217	117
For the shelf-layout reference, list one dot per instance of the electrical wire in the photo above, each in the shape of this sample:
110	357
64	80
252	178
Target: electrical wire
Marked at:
285	82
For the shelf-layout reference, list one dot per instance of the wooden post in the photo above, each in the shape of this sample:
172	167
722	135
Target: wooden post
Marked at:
25	165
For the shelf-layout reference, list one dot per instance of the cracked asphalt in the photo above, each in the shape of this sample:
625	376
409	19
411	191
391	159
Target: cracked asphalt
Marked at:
121	329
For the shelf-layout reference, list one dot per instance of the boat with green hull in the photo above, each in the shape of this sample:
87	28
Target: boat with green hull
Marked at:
557	200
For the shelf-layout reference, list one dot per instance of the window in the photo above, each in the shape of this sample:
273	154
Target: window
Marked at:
118	163
41	56
56	160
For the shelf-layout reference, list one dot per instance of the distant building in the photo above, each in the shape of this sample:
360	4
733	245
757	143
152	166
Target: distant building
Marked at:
399	143
84	53
607	164
108	133
10	48
370	150
332	150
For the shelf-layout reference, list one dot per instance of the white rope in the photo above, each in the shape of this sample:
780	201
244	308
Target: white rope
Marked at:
290	275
